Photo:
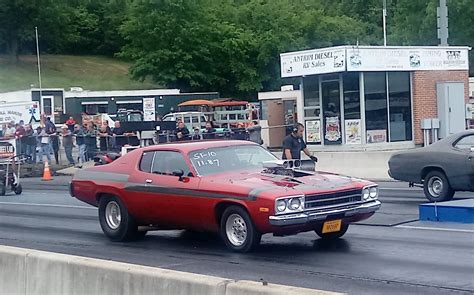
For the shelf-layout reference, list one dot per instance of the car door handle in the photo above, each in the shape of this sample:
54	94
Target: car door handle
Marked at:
148	181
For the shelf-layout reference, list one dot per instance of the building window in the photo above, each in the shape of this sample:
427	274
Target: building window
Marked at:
311	91
94	109
351	96
399	106
332	112
376	118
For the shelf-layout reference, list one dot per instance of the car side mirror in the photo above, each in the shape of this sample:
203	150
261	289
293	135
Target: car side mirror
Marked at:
179	173
472	149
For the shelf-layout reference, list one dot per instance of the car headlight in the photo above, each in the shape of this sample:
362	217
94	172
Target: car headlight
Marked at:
373	192
281	205
365	194
294	204
290	204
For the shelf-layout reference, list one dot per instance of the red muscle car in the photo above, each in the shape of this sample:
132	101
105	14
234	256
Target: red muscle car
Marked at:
236	188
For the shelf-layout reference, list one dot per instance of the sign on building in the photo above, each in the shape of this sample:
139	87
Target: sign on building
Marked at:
149	109
309	62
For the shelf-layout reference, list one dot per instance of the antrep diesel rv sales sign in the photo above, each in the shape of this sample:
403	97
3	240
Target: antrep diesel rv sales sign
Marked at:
373	58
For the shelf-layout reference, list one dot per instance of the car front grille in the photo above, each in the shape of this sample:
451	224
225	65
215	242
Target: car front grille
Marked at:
317	201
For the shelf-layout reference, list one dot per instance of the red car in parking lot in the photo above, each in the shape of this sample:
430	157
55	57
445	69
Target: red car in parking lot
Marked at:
236	188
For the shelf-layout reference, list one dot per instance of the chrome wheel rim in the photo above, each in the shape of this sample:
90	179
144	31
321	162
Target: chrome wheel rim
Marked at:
112	215
435	186
236	230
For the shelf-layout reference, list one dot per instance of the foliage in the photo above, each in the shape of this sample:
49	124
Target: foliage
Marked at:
230	46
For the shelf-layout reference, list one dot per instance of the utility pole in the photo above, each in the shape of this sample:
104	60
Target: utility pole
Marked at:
39	65
442	16
384	17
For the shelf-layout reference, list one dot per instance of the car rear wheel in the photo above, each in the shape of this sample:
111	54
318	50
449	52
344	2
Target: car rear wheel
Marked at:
238	231
436	187
333	235
115	221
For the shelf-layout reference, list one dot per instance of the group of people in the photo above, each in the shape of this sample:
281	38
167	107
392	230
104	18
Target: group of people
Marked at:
44	142
252	133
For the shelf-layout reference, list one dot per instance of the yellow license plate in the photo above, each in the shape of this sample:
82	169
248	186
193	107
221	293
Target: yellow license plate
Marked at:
332	226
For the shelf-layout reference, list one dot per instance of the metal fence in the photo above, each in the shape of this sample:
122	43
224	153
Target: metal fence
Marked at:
77	149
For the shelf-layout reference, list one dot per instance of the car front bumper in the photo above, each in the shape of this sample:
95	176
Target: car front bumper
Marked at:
312	216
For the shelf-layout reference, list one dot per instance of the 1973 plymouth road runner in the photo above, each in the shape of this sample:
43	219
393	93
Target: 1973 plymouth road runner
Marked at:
236	188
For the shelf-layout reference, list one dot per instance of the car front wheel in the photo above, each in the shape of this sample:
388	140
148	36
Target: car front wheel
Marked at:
333	235
436	187
115	221
238	231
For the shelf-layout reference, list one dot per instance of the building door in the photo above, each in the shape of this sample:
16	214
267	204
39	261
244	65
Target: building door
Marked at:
331	103
451	108
47	105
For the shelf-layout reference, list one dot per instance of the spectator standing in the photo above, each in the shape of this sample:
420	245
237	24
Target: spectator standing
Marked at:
54	138
209	132
239	133
44	144
81	145
293	144
31	142
9	131
119	139
20	140
90	141
255	133
182	132
70	124
67	143
197	134
104	133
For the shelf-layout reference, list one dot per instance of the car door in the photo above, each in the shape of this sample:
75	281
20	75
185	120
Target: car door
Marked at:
465	146
168	198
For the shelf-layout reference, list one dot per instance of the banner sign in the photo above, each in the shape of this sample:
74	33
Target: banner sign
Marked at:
407	59
353	132
375	58
28	112
333	130
149	109
310	62
313	131
7	149
376	136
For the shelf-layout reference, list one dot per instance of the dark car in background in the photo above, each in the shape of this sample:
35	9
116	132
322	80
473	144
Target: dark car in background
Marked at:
442	168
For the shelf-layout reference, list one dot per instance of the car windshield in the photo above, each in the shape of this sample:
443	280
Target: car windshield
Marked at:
230	158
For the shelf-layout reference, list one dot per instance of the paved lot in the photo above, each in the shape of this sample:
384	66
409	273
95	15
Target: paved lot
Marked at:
374	257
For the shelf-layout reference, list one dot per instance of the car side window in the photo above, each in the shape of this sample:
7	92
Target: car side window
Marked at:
166	162
146	161
465	143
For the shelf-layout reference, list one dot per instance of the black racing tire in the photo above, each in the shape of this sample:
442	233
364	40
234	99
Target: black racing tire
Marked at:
18	189
3	189
116	223
238	231
436	187
331	236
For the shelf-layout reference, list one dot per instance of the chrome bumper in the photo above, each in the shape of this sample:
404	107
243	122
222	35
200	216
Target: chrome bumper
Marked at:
305	217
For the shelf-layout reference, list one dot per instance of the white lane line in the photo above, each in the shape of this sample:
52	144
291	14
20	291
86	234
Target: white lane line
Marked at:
436	229
48	205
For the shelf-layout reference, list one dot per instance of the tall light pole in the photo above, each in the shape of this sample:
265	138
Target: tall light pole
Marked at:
442	16
39	64
384	17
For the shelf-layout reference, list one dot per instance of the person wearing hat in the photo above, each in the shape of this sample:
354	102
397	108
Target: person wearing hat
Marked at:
67	143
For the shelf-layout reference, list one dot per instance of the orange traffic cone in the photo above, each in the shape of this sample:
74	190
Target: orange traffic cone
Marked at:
46	172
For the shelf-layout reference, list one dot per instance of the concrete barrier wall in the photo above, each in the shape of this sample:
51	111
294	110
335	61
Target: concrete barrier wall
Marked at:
31	272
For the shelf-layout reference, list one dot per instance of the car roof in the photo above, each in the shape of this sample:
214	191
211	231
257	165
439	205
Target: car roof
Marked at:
188	146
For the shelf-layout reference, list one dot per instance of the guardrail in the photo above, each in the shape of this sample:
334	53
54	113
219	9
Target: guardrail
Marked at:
26	272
